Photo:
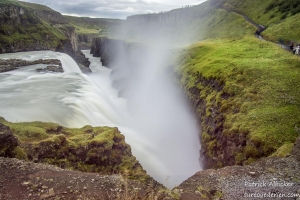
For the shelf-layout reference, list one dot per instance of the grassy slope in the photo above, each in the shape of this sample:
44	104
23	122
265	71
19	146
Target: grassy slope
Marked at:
261	78
280	26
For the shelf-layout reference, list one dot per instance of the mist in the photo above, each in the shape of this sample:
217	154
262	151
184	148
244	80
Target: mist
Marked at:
159	110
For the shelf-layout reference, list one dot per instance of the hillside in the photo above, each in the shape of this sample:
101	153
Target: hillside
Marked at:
26	26
280	17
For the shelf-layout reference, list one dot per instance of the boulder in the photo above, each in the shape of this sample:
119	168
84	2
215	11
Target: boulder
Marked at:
8	141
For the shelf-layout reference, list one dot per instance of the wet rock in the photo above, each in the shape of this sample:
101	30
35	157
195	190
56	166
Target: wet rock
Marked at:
11	64
51	68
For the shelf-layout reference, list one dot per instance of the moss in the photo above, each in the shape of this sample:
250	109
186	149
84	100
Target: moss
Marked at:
249	161
251	151
205	137
283	151
239	158
20	154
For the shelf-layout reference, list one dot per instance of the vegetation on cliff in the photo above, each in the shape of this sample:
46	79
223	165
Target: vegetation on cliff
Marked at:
88	149
250	90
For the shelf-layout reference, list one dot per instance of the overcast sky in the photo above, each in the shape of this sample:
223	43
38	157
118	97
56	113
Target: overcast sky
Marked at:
113	8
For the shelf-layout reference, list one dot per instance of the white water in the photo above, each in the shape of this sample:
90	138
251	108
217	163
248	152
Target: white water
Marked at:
167	147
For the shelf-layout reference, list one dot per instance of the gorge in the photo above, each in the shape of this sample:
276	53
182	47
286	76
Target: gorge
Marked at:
192	91
73	99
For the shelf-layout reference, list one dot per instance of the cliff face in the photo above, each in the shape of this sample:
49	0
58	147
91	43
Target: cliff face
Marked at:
107	49
85	40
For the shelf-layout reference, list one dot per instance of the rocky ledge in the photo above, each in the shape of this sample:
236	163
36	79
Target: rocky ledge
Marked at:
51	68
12	64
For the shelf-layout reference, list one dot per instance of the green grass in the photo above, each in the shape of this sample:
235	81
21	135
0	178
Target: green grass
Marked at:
281	24
287	30
263	83
8	2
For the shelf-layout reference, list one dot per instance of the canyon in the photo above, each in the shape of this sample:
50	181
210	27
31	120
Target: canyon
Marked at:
240	116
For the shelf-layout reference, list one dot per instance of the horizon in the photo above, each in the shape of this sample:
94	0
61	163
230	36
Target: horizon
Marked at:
116	9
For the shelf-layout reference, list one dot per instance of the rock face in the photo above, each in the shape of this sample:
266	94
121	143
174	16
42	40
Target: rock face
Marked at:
107	49
8	141
212	138
83	62
86	38
51	69
85	41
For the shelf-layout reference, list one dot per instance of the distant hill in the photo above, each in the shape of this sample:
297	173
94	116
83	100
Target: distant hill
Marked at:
221	19
85	25
89	28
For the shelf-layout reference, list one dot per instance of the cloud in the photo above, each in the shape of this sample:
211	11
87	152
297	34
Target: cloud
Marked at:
113	8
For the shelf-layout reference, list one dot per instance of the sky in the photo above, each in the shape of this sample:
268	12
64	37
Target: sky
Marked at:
113	8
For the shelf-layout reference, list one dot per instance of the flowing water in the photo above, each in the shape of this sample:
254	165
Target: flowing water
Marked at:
167	147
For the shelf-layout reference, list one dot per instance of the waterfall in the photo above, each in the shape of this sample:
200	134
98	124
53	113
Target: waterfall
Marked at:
73	99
